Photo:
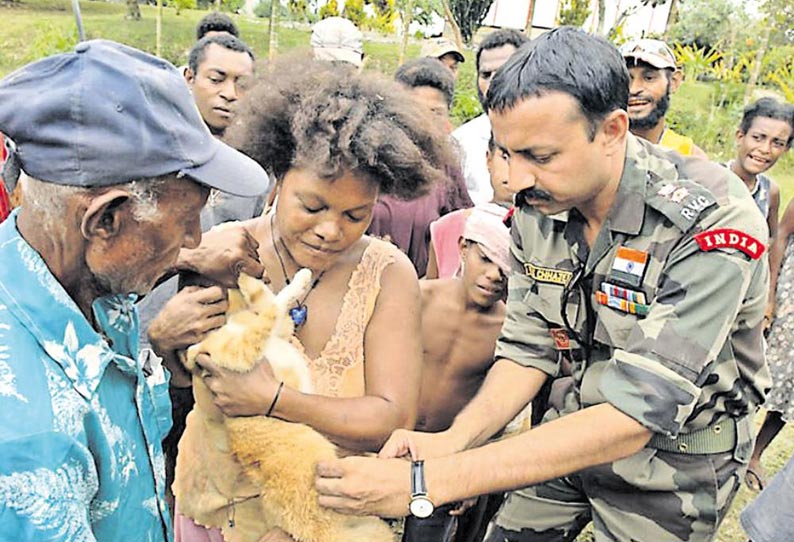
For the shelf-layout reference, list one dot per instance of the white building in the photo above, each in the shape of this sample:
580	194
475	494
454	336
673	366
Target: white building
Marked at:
643	20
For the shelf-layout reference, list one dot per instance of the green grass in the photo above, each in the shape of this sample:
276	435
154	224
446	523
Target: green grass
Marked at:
36	28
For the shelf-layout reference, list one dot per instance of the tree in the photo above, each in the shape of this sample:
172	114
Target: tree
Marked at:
330	9
272	30
467	15
573	12
778	18
354	10
184	4
708	23
627	11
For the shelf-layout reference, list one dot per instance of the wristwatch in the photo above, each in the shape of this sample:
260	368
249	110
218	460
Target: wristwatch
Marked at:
421	506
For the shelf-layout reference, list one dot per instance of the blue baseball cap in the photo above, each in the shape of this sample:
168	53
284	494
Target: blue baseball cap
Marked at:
108	114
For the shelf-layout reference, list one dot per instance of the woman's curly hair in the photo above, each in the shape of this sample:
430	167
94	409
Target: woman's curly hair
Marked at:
328	119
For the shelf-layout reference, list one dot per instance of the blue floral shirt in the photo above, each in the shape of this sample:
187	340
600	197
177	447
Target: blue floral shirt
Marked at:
81	417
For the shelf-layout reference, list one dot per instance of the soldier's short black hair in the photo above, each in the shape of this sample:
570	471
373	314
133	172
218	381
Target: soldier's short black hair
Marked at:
500	38
198	52
427	72
566	59
768	108
216	22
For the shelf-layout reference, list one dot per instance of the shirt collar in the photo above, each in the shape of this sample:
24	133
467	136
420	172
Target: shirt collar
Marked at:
41	304
628	209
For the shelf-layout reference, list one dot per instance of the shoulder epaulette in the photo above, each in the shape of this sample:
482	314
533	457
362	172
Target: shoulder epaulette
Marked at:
680	200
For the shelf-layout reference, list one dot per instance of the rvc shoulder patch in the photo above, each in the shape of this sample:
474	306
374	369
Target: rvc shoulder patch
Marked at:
548	274
730	238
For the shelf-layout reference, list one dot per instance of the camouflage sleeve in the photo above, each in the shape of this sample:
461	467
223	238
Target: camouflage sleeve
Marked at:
705	299
525	337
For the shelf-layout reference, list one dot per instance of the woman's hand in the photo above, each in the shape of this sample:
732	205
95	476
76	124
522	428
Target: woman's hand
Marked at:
239	394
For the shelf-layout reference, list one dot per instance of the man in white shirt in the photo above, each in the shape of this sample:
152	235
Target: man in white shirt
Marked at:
472	137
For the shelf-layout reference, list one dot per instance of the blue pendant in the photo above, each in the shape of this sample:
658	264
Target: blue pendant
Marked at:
299	314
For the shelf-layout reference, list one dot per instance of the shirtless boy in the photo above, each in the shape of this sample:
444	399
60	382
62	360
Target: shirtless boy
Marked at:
461	319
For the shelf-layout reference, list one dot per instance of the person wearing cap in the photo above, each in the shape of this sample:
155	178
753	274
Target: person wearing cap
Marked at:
472	137
116	164
461	319
654	77
637	273
446	51
337	39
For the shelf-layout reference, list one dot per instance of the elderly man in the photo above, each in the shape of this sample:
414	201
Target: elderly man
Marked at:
638	273
117	165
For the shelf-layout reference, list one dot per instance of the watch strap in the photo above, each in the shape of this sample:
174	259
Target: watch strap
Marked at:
418	486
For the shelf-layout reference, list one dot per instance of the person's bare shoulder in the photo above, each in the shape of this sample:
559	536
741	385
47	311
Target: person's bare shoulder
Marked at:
434	289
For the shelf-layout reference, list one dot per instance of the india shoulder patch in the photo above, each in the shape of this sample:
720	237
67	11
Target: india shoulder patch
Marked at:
730	238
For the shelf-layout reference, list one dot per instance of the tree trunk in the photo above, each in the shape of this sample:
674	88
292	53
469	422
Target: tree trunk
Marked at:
272	33
759	57
530	16
672	17
407	15
602	19
452	24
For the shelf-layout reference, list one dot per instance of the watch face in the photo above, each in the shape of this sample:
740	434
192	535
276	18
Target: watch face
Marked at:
421	507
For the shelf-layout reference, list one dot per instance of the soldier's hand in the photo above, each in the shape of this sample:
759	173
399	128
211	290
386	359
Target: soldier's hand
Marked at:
417	445
365	486
223	254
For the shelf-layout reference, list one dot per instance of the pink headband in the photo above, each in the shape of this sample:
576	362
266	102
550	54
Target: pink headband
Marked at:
485	226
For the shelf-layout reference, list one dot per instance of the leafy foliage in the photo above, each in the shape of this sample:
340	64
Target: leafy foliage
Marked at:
330	9
574	12
183	4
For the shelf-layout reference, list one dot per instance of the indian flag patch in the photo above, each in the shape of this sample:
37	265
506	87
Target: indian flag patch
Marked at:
629	266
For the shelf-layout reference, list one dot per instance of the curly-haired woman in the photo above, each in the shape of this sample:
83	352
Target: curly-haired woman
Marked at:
334	141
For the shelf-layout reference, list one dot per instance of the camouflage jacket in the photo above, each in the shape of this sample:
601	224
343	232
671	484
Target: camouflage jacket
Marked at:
676	284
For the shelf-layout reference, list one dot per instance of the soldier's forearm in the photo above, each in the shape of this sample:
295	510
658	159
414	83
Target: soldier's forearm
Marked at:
507	388
593	436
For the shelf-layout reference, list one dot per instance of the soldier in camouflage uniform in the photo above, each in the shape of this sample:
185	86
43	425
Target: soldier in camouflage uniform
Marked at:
640	276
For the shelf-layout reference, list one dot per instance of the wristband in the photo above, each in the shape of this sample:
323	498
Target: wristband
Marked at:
275	399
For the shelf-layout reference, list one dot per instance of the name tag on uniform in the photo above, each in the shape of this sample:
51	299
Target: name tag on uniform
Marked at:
548	274
624	305
629	266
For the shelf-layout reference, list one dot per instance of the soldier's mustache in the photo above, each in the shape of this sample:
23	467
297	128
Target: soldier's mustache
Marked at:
533	194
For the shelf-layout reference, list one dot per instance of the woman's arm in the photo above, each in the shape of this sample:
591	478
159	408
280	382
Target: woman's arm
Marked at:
392	364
